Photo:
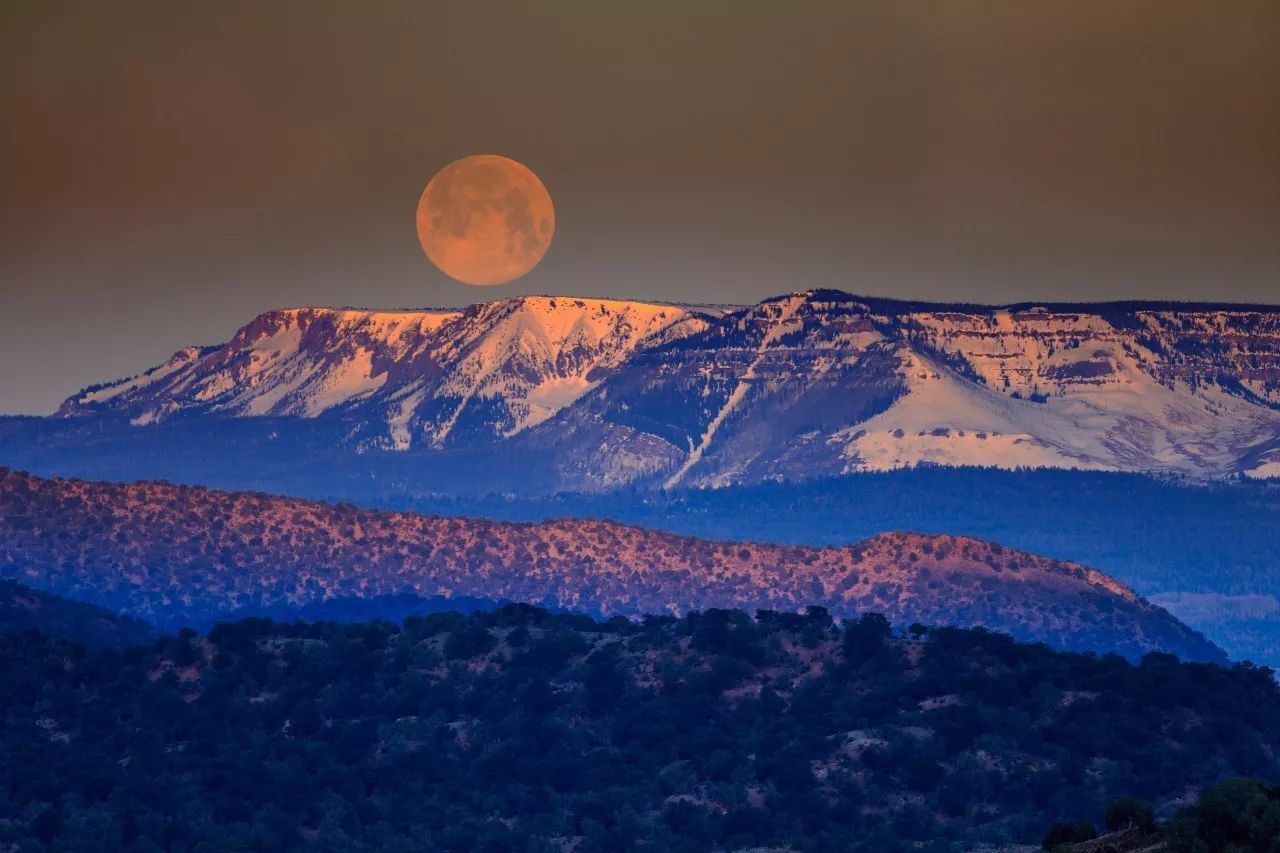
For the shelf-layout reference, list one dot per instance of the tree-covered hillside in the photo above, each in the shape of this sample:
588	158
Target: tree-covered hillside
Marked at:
525	730
1208	552
1166	538
25	609
181	555
1234	816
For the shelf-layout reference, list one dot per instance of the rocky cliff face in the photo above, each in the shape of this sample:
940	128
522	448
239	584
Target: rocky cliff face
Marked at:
611	393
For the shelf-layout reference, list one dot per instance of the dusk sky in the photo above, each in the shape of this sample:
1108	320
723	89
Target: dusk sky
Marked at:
173	169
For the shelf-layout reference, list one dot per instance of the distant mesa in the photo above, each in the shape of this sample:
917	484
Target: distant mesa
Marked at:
595	394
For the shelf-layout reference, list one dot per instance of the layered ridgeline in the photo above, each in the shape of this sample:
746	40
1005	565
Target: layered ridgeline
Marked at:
526	730
176	553
591	394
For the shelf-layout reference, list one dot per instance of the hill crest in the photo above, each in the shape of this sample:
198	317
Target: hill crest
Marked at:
176	552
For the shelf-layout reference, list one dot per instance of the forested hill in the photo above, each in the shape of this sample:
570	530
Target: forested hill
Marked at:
177	553
1206	552
25	609
523	730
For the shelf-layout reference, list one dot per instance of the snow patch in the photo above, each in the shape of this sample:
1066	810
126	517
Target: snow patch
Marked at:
1265	471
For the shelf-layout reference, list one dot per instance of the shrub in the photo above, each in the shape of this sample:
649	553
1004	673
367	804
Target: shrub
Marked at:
1063	834
1130	813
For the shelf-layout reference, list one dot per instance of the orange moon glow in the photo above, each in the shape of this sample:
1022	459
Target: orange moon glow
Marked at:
485	220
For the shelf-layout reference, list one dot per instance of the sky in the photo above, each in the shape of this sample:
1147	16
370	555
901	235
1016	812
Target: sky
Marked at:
171	169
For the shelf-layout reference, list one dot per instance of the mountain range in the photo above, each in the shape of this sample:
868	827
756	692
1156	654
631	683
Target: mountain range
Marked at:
179	554
593	394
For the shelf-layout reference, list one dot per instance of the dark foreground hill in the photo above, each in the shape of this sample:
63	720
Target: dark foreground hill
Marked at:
523	730
176	553
1233	816
25	609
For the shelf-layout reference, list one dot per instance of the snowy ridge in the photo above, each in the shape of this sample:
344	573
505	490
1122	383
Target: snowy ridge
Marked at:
843	384
300	361
408	377
811	384
1072	390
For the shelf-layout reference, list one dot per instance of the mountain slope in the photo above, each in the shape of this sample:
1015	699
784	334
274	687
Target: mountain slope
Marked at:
302	362
599	394
400	379
25	609
1207	552
182	553
827	383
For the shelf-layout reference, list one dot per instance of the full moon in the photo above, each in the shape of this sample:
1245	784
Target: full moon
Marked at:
485	220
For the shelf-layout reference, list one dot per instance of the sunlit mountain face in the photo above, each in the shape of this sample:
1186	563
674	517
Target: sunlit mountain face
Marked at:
132	546
604	393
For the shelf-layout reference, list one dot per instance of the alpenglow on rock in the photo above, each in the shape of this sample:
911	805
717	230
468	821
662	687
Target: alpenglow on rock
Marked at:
607	393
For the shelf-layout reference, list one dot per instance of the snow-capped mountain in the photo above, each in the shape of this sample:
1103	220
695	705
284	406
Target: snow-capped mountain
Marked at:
610	393
815	384
302	361
405	379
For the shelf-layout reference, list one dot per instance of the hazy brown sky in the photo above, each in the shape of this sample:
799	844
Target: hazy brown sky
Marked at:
171	169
